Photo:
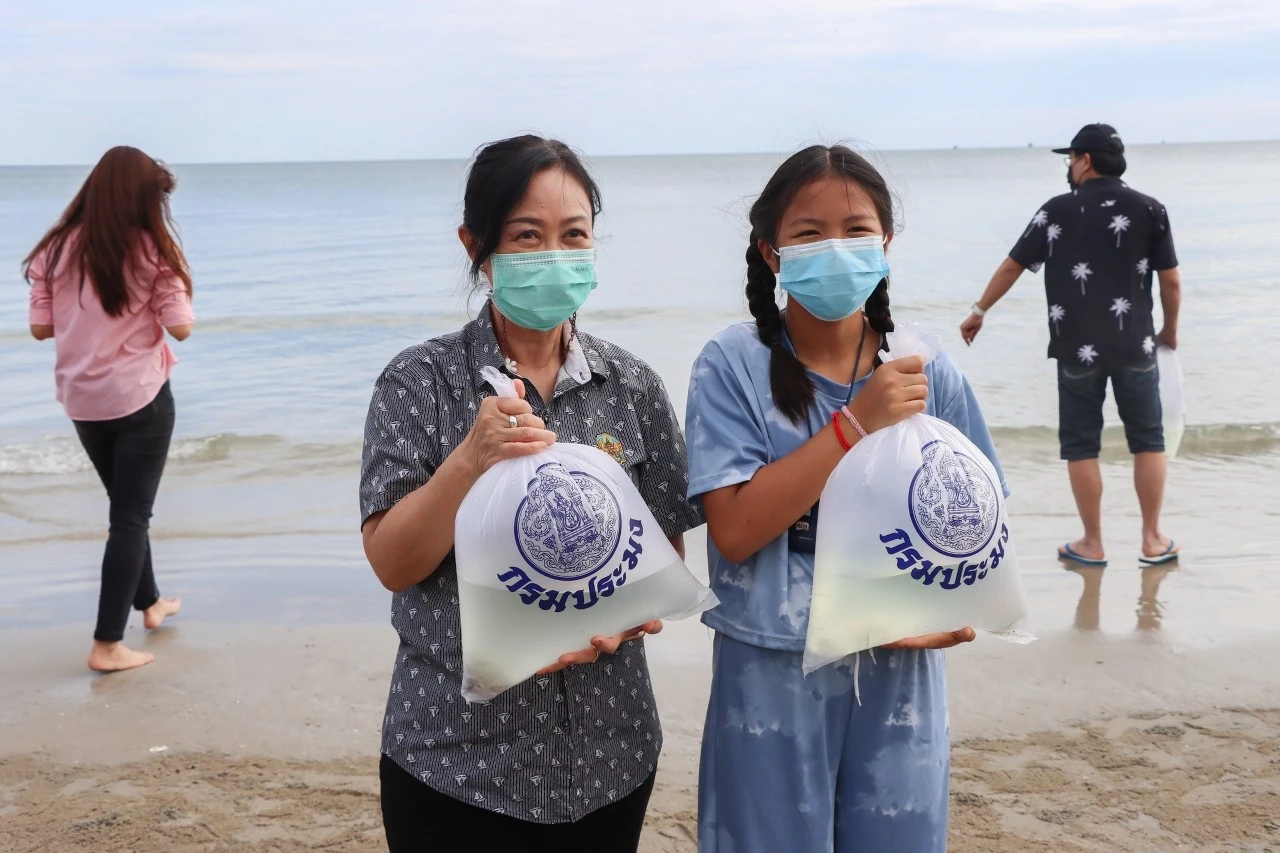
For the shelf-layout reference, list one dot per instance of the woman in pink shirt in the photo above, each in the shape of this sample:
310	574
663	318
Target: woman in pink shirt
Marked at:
106	282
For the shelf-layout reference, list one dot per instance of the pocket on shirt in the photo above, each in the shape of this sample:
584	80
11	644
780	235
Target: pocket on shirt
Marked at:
621	438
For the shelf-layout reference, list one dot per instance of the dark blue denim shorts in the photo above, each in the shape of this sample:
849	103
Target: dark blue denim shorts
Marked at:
1082	389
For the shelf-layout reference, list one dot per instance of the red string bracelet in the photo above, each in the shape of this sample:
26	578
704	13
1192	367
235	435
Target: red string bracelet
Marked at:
835	422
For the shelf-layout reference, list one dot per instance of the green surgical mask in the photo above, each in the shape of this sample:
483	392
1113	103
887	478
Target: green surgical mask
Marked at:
540	290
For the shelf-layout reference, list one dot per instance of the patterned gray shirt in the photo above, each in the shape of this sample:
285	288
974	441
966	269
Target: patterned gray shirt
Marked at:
556	747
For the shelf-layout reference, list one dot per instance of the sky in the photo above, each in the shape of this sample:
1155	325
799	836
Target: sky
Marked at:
285	80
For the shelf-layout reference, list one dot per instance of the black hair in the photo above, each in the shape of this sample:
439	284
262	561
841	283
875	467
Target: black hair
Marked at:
1108	163
499	178
792	387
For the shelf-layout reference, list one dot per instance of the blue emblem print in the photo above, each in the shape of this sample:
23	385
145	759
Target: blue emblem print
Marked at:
569	523
953	503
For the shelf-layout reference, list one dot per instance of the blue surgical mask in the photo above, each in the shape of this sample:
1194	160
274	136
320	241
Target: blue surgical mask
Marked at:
833	279
540	290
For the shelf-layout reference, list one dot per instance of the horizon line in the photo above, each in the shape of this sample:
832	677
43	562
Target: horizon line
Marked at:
652	155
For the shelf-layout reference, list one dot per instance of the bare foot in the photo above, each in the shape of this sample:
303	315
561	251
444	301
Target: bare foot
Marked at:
153	617
114	657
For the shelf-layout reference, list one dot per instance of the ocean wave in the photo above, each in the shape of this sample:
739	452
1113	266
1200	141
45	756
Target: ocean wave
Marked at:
278	454
1199	440
63	454
434	322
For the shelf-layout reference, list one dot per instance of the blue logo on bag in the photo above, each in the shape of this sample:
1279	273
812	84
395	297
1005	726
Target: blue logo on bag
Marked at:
953	503
569	523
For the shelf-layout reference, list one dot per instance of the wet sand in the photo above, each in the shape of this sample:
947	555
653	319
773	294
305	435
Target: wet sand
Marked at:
1143	719
1081	741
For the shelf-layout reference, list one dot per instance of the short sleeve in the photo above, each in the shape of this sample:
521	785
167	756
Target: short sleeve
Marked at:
958	406
1163	256
727	445
40	308
400	450
1033	246
664	479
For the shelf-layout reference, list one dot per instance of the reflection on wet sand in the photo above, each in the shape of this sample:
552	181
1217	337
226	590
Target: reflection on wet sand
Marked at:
1150	611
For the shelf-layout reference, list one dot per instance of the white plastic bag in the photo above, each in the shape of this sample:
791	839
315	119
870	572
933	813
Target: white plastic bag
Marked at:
1175	416
552	550
912	539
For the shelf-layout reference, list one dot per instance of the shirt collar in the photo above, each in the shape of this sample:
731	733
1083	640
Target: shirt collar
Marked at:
1104	183
582	362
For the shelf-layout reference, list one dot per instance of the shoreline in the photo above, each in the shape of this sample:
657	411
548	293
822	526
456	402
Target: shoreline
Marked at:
1117	741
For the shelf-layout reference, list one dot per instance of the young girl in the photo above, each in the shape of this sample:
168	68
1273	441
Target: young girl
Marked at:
788	762
106	282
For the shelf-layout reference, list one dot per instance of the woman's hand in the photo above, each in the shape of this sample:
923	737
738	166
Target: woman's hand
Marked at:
941	640
493	438
607	645
894	392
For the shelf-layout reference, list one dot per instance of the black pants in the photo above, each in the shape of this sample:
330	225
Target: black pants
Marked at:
419	819
129	455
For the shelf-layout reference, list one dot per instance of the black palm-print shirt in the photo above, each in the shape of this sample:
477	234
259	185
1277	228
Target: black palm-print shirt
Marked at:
1099	246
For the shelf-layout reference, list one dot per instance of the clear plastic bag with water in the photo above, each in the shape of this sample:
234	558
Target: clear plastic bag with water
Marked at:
914	539
552	550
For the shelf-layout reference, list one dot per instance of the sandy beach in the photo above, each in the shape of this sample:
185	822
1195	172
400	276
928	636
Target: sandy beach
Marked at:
1143	719
1081	741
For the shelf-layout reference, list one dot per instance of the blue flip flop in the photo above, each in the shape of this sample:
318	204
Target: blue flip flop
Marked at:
1168	556
1066	552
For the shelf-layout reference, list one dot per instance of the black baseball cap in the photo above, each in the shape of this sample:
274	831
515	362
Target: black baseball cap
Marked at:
1095	137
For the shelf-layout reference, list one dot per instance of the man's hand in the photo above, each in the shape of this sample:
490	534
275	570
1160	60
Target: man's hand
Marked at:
1168	337
970	327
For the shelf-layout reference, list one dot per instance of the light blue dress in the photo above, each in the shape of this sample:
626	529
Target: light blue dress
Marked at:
788	762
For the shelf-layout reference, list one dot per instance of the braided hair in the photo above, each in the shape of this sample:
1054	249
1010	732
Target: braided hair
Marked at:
792	387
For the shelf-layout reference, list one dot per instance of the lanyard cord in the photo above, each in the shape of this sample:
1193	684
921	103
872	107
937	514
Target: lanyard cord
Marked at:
857	361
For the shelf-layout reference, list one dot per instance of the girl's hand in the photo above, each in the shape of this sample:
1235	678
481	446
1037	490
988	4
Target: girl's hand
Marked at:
942	640
607	645
493	438
894	392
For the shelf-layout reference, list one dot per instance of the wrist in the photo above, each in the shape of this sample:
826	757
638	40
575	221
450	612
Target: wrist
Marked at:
977	310
465	462
858	431
845	444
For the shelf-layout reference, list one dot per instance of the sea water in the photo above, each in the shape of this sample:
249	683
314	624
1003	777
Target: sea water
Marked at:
310	277
505	641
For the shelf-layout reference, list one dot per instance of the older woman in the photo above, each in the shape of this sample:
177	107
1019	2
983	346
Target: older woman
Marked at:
565	760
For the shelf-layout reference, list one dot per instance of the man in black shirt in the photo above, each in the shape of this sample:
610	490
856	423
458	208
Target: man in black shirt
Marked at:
1099	245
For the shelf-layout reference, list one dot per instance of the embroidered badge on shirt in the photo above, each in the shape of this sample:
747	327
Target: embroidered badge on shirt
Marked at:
611	445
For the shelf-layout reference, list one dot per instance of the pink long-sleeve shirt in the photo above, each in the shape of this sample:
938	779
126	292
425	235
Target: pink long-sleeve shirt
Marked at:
109	367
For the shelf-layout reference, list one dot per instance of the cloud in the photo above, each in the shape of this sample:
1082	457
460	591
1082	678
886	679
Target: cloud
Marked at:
286	79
